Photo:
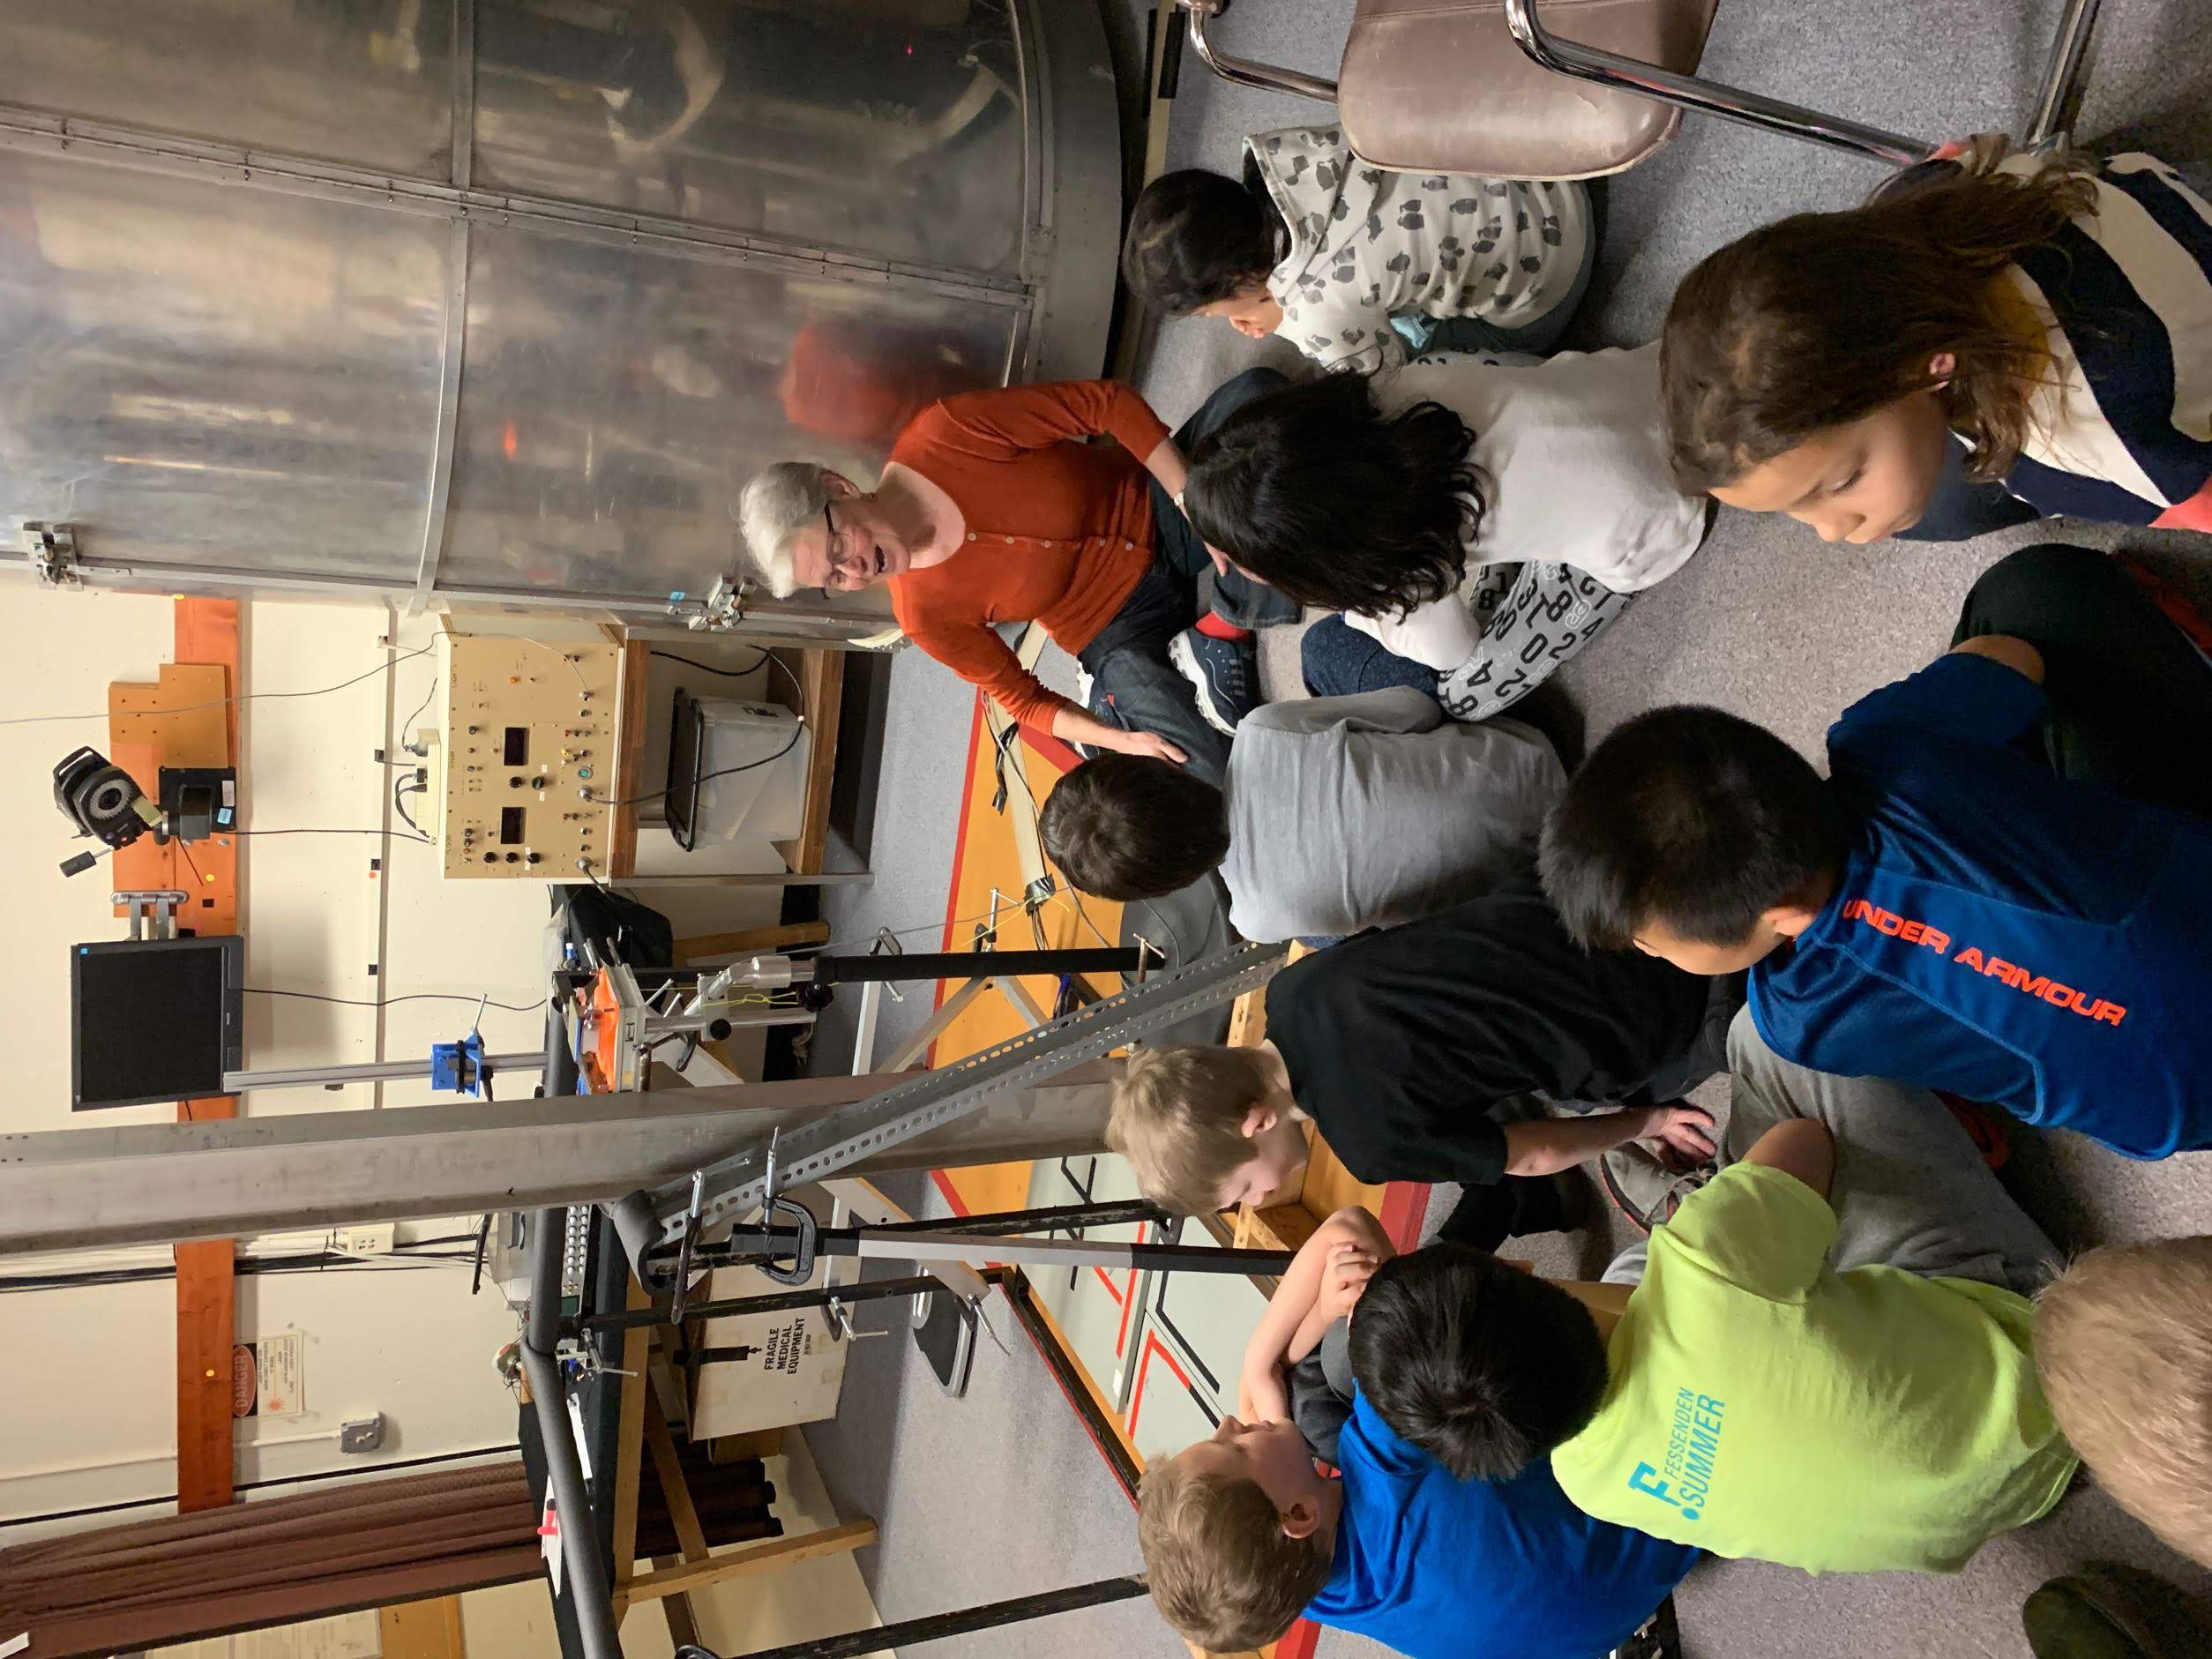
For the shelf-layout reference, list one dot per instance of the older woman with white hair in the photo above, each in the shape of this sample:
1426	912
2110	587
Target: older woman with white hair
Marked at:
993	510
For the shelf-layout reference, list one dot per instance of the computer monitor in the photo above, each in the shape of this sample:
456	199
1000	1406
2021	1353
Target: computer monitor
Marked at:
154	1020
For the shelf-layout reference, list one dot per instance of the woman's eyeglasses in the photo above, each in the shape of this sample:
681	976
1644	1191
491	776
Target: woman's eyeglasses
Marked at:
835	581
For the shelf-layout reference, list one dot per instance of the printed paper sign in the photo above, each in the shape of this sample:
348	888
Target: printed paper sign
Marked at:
268	1377
550	1541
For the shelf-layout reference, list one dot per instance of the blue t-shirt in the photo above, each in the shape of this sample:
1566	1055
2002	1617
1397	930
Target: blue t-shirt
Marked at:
1442	1568
2000	931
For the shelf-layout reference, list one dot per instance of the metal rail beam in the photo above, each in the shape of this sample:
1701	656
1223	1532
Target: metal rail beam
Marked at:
564	1461
367	1071
737	1184
72	1189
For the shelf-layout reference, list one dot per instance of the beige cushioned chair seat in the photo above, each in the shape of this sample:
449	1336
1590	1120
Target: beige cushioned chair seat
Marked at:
1442	87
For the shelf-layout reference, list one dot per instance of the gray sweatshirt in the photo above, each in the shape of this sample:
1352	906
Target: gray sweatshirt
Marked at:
1353	813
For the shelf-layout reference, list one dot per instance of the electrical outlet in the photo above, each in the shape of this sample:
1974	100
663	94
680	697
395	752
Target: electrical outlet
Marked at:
368	1241
362	1434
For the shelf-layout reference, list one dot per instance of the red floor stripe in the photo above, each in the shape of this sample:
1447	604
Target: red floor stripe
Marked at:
1405	1205
1056	750
950	1194
959	851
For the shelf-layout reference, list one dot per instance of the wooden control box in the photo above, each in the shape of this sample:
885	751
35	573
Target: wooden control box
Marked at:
529	755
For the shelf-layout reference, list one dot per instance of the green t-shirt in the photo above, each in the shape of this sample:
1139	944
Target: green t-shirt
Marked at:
1761	1405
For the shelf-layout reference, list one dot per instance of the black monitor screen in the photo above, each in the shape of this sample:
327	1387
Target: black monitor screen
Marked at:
154	1020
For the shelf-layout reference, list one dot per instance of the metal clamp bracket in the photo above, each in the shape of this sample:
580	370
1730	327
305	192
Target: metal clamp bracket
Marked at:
53	551
773	1204
690	1238
154	909
721	610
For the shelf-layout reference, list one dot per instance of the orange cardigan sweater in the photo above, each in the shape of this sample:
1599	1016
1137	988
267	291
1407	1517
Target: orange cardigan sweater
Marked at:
1059	530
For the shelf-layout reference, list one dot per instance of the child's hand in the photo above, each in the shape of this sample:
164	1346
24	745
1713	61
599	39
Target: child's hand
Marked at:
1344	1277
1679	1133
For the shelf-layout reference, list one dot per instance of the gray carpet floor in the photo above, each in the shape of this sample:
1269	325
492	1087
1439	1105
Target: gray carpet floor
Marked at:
1000	1493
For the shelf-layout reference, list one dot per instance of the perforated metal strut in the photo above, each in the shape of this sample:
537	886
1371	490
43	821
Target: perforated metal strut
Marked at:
737	1184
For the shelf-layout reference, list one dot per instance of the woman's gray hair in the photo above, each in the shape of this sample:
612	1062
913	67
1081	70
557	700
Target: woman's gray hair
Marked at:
776	504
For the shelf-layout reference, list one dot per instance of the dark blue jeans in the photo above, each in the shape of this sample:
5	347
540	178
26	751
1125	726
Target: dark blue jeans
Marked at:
2130	696
1337	660
1134	684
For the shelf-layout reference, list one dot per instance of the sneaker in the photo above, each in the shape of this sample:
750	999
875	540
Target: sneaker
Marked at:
1660	1637
2098	1613
1644	1189
1517	1208
1224	673
2179	608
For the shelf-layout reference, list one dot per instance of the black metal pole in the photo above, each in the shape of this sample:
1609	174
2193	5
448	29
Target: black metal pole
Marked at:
937	1626
746	1246
564	1464
838	970
1051	1217
557	1077
777	1243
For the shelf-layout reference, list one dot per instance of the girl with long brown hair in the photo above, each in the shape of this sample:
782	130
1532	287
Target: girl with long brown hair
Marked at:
1999	337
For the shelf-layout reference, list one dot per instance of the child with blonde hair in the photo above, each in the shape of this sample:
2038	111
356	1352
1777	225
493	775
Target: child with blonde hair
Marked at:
1414	1049
2124	1344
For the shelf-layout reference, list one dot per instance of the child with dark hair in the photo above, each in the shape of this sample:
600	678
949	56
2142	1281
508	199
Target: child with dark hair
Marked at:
2011	337
1242	1534
1477	523
2003	889
1356	265
1482	1365
1336	815
1826	1359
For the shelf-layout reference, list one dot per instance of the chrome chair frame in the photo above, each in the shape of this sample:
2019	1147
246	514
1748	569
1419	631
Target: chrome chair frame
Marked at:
2045	128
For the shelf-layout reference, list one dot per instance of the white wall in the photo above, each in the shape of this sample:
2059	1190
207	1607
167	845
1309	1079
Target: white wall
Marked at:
91	1416
801	1602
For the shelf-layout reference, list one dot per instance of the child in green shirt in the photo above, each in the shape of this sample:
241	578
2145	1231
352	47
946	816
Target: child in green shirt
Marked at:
1829	1362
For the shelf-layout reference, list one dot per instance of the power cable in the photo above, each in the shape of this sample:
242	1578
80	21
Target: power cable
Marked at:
413	996
393	833
724	772
400	790
243	696
767	658
419	707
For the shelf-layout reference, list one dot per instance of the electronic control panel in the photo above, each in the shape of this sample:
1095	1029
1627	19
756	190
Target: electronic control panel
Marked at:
529	757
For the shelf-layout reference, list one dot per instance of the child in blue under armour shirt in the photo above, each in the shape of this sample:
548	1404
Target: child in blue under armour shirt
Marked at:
1242	1534
2003	888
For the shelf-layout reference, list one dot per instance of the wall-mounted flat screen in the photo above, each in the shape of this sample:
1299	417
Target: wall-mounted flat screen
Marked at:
154	1020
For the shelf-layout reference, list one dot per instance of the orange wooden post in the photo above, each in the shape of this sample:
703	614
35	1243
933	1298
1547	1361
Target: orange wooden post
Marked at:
170	722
